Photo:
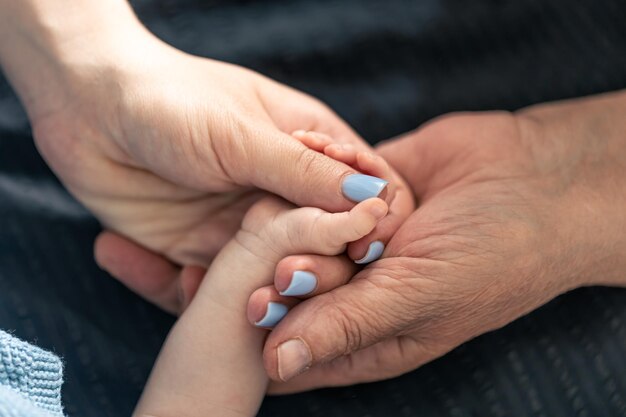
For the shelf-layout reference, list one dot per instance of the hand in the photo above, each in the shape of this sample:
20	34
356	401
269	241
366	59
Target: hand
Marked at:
166	148
515	209
173	288
172	149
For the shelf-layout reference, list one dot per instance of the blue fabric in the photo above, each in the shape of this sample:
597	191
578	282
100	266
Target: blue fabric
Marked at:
30	380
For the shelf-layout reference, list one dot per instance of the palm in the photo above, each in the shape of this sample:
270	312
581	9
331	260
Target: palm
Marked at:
454	257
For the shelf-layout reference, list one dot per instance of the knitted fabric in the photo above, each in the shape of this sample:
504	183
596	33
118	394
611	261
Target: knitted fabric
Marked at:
30	380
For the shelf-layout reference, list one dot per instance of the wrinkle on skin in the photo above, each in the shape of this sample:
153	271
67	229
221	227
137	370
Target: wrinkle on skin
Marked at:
497	234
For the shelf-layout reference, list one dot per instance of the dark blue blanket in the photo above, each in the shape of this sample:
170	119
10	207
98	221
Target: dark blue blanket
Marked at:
386	66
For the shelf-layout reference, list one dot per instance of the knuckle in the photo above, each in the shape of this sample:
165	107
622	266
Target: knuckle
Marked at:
308	161
407	294
357	324
329	238
318	236
349	328
296	235
427	296
228	144
317	169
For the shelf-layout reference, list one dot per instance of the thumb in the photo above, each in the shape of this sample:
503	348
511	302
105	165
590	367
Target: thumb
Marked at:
334	324
280	164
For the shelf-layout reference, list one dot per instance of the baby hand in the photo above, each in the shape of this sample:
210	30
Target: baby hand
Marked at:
214	330
307	274
397	193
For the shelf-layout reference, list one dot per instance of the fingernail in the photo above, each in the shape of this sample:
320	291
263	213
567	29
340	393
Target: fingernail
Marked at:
359	187
374	251
302	283
274	314
294	357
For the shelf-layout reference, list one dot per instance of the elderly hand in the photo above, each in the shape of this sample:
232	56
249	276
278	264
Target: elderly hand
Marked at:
515	210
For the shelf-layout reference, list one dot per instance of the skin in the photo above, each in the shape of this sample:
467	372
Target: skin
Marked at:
211	363
514	210
167	149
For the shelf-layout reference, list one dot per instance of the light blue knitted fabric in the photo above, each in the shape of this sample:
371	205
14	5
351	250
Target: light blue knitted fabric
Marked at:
30	380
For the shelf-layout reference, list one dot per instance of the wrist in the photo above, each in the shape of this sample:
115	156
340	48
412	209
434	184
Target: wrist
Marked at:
45	46
579	152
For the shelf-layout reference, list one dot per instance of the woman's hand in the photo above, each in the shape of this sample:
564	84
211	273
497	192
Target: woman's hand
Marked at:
172	149
515	209
165	148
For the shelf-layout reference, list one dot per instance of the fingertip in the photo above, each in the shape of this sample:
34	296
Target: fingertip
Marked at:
305	276
266	308
302	283
379	209
294	357
375	207
374	252
373	164
340	147
363	218
313	140
257	304
384	193
274	313
359	187
401	207
287	266
376	166
101	248
345	153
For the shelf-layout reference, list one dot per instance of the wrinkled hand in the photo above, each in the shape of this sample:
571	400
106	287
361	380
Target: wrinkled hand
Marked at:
515	209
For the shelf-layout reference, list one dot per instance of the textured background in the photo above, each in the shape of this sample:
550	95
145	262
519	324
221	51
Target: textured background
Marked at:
385	66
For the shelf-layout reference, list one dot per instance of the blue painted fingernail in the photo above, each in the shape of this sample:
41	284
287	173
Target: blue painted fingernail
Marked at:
359	187
374	251
274	314
302	283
